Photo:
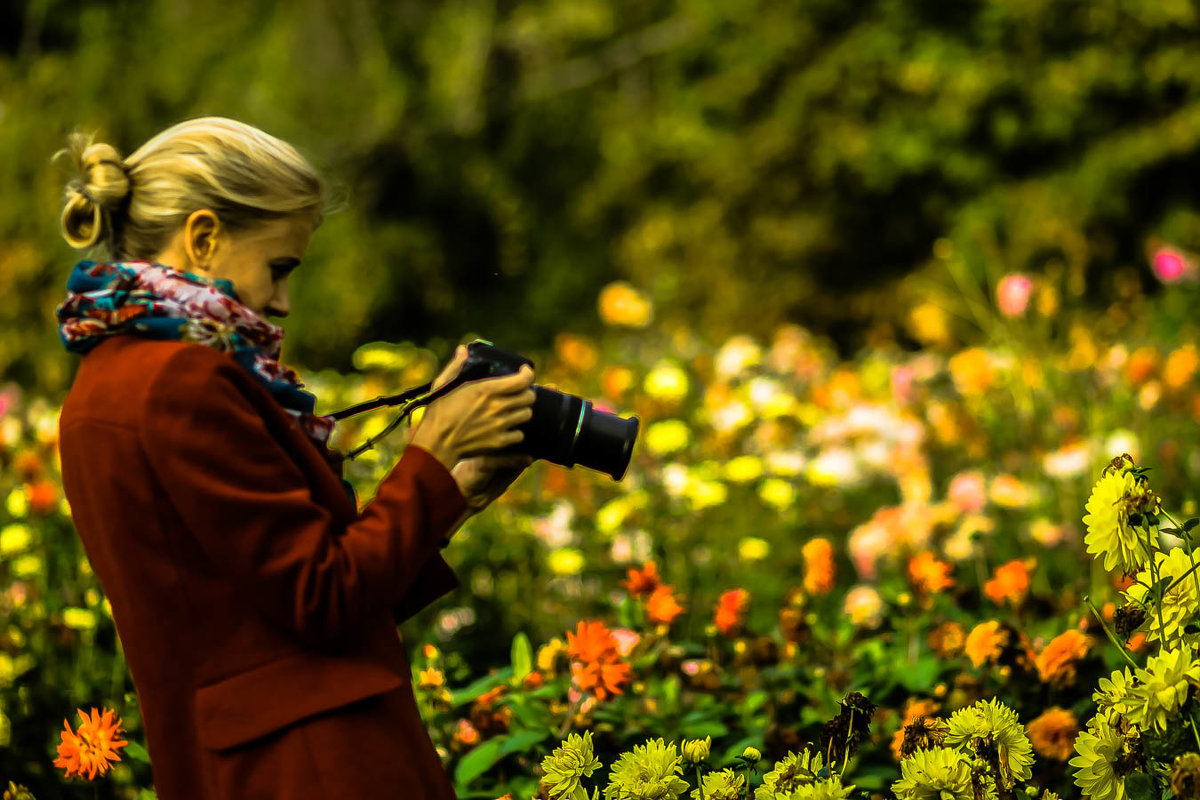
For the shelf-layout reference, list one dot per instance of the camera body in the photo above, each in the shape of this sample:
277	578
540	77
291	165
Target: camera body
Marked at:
565	429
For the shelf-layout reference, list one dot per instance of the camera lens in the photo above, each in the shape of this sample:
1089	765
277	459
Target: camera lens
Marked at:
605	441
567	430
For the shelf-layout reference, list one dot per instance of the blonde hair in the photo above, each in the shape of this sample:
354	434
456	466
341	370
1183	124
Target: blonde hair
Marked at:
131	207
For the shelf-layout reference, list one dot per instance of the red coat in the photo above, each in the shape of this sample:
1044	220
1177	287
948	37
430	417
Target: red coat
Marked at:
256	606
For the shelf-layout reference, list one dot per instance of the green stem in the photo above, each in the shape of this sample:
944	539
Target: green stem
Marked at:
846	756
1162	624
1187	543
570	714
699	782
1112	636
1195	732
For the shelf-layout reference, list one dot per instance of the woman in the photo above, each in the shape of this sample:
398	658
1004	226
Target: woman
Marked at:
257	606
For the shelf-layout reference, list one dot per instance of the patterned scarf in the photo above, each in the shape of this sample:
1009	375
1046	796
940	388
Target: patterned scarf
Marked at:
137	297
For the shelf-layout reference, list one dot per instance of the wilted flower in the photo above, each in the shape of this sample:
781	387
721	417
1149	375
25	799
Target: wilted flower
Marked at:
642	582
935	774
920	731
1185	776
572	760
1053	733
91	748
650	772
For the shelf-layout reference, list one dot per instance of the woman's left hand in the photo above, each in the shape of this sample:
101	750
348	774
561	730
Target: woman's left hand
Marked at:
482	479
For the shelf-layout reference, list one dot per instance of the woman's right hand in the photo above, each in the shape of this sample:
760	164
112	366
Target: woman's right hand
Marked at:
477	417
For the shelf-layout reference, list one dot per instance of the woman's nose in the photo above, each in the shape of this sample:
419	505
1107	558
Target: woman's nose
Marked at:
279	305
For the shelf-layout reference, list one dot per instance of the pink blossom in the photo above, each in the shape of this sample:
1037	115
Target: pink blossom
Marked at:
626	640
1170	265
1012	294
968	491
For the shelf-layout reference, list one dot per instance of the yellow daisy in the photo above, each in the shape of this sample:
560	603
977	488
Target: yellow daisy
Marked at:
935	774
1108	531
1163	688
1179	605
1099	748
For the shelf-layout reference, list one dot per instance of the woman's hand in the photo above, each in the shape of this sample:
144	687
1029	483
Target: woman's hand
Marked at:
482	479
475	419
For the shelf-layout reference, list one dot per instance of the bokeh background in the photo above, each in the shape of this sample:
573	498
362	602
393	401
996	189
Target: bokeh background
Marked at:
898	276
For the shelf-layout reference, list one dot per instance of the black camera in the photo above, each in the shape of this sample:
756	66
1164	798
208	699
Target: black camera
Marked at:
565	429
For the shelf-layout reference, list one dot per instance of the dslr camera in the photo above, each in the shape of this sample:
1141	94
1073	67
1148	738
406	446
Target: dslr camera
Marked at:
565	429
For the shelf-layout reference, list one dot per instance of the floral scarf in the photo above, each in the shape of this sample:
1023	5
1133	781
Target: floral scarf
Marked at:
136	297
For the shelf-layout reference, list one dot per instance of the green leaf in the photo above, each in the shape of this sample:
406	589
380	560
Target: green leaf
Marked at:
138	753
1189	524
1140	786
698	730
522	657
479	686
479	761
147	794
520	742
921	675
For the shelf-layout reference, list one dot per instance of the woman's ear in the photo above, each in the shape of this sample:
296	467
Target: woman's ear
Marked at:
201	238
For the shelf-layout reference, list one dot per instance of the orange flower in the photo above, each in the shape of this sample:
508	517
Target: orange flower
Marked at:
948	639
466	733
592	641
600	678
1142	365
972	371
92	747
731	610
1056	663
1010	582
28	465
662	607
643	582
622	305
928	574
1053	733
819	569
985	642
43	497
1181	366
575	352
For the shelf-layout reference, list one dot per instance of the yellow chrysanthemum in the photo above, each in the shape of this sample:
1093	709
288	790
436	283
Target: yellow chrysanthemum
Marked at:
828	789
723	785
1114	691
1162	688
572	760
791	772
935	774
1099	748
1179	605
990	722
650	772
1108	531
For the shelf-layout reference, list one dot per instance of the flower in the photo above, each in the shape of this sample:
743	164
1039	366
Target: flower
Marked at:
1010	582
752	755
666	381
928	574
864	606
15	537
650	772
828	789
591	641
968	491
1179	604
1114	691
991	723
1056	663
1100	748
1008	491
597	667
1171	265
777	493
565	561
696	751
752	548
1108	531
92	747
1053	733
642	582
572	760
667	436
1012	294
1185	776
819	569
948	639
986	642
1162	688
731	610
723	785
622	305
791	772
935	774
662	607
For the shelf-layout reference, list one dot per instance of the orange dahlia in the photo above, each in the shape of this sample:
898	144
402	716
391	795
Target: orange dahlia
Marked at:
731	610
596	665
1010	582
92	747
592	641
643	582
599	677
928	574
1056	663
819	569
662	607
1053	733
948	639
986	642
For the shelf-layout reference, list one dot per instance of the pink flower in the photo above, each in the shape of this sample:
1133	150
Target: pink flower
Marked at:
1012	294
1170	265
626	640
968	491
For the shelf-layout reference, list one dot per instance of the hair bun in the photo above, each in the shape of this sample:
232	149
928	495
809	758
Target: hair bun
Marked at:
99	190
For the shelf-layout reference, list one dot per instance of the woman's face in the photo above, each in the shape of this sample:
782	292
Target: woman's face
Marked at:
259	259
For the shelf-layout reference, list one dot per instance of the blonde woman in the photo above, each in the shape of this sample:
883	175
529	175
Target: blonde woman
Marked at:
256	604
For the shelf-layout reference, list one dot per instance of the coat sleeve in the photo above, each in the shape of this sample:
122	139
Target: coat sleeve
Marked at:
248	505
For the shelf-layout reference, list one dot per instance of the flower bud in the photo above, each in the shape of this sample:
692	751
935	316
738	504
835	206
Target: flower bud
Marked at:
751	755
696	750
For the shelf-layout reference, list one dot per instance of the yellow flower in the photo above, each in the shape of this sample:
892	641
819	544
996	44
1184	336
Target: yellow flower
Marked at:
777	493
705	494
991	723
566	561
80	619
650	772
27	566
1163	688
570	761
791	773
1108	531
1114	691
612	515
752	548
723	785
938	773
743	469
864	606
1100	747
667	381
15	538
1180	604
695	751
667	436
18	503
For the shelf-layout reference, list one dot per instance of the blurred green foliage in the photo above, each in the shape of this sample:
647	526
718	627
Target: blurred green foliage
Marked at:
744	161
